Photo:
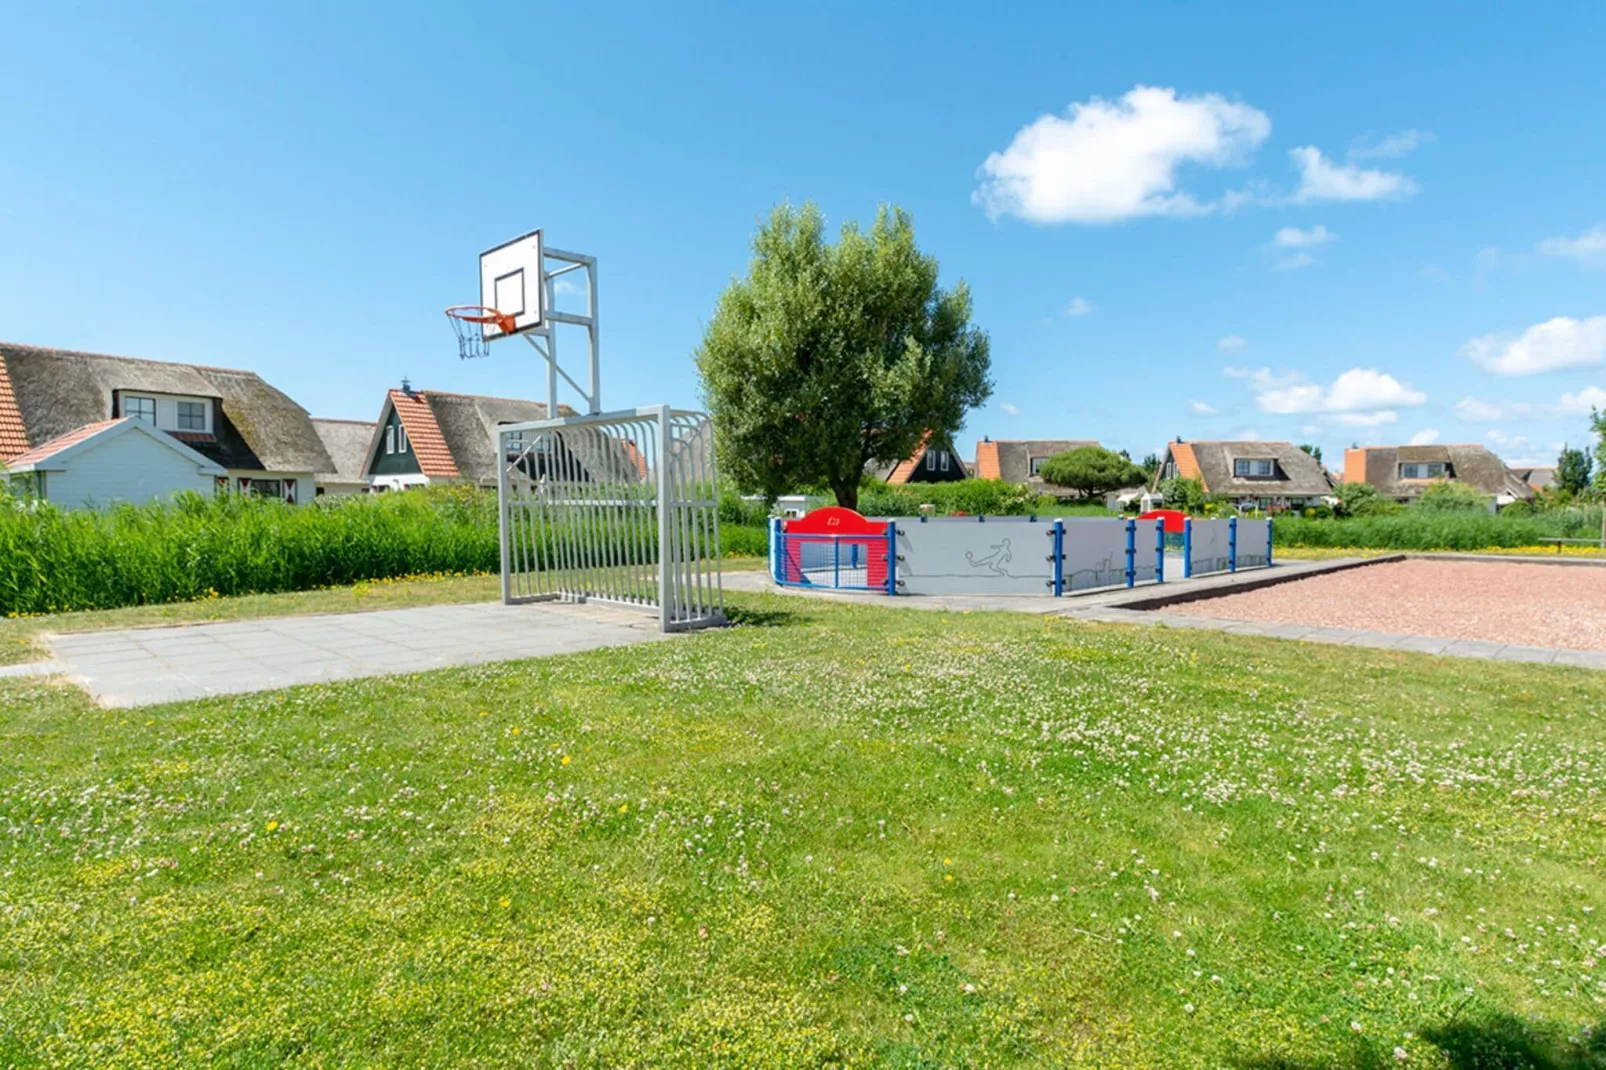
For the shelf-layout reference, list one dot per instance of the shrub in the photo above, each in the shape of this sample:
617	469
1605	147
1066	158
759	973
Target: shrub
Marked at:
974	497
1362	499
1426	529
1091	471
1447	497
1185	494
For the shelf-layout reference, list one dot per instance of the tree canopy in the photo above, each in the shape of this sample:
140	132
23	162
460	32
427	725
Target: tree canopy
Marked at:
827	358
1445	496
1091	471
1572	470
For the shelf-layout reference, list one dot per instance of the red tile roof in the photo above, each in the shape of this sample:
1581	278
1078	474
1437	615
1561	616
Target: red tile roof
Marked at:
13	436
1187	463
46	450
424	434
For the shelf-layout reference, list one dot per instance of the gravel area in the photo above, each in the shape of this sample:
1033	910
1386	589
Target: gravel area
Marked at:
1531	605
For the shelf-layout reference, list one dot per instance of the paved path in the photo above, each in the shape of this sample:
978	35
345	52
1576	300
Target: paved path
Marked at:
141	666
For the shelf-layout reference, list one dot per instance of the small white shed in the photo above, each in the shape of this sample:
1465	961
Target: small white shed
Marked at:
123	460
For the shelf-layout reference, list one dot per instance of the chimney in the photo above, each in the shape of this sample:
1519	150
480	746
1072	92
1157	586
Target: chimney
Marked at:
407	387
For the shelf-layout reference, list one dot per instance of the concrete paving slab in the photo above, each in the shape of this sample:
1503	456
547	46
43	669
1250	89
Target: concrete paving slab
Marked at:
136	667
1542	655
1474	648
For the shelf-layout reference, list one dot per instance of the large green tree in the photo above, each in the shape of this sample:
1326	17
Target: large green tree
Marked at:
827	358
1091	471
1572	470
1597	424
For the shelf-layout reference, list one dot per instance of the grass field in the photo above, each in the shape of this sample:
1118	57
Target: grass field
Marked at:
837	835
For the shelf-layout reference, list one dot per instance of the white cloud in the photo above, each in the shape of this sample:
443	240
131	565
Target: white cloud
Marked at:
1391	147
1235	373
1295	262
1588	247
1294	238
1498	437
1105	161
1232	341
564	286
1320	179
1364	419
1200	408
1562	342
1008	409
1359	390
1581	403
1425	437
1079	306
1473	411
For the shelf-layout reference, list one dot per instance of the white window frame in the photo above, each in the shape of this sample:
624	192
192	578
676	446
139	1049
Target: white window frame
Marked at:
401	438
1424	470
178	414
1245	468
931	460
130	399
1036	465
390	439
945	460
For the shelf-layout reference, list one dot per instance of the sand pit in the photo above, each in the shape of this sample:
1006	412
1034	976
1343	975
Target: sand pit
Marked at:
1503	602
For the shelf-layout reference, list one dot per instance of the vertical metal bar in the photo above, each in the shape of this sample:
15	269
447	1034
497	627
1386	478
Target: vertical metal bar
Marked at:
718	563
1131	553
593	329
836	561
1187	547
665	581
1232	544
1059	558
1159	551
552	372
503	504
892	557
775	548
1268	538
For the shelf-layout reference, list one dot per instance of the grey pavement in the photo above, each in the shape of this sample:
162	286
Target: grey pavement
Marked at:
141	666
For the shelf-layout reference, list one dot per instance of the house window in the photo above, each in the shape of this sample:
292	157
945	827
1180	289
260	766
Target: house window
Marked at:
192	416
1427	470
1037	462
390	439
931	460
265	488
945	460
401	439
1252	467
140	409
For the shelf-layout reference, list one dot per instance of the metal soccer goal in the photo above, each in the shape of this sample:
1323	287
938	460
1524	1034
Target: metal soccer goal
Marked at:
614	507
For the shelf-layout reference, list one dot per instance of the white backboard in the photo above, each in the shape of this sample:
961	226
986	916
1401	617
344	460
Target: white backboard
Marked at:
510	282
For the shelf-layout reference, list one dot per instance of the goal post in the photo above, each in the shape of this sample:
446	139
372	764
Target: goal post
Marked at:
618	507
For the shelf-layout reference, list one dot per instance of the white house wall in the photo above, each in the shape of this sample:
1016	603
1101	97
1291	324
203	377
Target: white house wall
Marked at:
127	468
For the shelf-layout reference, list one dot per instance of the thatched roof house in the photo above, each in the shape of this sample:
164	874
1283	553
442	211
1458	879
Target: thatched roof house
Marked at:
1404	472
1264	474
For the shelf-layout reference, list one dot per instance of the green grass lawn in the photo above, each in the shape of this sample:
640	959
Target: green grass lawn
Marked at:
835	835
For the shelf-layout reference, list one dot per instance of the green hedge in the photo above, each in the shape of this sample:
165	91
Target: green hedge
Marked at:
975	497
1415	529
54	560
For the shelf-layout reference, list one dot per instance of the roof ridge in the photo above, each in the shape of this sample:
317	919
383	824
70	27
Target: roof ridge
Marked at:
338	420
53	351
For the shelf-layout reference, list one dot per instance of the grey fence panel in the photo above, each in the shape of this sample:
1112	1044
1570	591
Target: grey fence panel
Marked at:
1208	547
1254	543
997	556
1095	553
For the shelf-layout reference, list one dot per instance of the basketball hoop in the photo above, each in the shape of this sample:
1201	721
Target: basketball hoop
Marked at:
469	322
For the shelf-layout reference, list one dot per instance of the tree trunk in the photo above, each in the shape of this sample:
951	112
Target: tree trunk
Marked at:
847	494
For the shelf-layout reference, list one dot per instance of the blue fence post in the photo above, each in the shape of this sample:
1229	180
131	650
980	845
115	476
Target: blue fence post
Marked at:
1232	544
777	551
892	556
1159	551
1059	558
1187	547
1131	552
1268	542
836	561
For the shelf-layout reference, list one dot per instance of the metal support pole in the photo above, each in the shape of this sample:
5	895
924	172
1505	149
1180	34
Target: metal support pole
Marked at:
1268	540
892	557
1131	552
1232	544
503	504
1059	558
1159	551
666	582
1187	547
776	549
836	561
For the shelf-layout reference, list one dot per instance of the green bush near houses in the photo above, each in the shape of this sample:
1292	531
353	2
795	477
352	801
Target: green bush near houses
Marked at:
974	497
1416	528
55	560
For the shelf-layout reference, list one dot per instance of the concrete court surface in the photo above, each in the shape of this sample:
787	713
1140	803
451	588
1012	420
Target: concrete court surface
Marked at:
142	666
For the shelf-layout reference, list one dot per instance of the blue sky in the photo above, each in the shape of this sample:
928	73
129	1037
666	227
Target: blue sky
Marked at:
1367	224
